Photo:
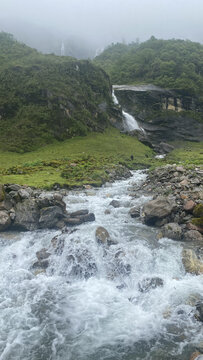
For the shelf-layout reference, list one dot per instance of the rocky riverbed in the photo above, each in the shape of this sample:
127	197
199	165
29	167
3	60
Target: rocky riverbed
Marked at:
135	244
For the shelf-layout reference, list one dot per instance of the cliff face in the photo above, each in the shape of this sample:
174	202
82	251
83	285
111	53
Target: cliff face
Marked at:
165	115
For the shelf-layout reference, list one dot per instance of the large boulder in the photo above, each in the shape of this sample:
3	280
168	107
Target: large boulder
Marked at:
27	215
155	210
5	220
193	235
191	263
102	235
50	216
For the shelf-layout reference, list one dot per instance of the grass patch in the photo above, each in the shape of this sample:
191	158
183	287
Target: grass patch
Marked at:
75	162
186	153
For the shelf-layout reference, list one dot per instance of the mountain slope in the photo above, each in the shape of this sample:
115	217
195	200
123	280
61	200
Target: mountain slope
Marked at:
174	64
45	97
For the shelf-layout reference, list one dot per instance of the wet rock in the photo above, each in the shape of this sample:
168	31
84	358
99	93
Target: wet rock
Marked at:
134	212
115	203
5	220
107	212
189	206
191	263
39	271
41	264
172	231
42	254
27	215
102	235
150	283
157	209
81	264
79	213
50	216
73	221
199	308
79	219
193	235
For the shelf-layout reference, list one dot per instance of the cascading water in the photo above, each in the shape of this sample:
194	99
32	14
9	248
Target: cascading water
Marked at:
94	301
130	123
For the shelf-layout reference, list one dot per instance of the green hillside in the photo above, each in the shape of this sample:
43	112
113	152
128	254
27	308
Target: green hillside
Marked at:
45	97
174	64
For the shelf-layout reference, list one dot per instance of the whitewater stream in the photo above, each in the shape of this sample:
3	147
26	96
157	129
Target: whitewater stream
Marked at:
91	303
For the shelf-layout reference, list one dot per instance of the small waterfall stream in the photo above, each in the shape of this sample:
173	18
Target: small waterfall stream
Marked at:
92	302
130	123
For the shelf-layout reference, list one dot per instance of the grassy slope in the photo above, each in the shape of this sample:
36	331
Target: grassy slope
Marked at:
82	159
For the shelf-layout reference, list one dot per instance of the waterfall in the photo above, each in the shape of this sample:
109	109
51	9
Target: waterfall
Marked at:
130	123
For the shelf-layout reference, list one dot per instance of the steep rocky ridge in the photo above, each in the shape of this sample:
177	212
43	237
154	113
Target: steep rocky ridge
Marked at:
165	115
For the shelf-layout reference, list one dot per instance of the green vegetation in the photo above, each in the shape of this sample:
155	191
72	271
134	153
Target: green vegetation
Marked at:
47	97
75	162
187	153
174	64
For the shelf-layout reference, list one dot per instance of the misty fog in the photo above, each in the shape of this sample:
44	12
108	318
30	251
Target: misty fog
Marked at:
88	25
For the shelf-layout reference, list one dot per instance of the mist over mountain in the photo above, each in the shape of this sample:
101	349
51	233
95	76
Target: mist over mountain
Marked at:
85	26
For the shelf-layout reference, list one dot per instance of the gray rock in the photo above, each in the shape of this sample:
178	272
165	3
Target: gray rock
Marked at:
115	203
150	283
102	235
5	220
166	148
193	235
79	213
199	308
27	215
42	254
12	187
134	212
50	216
23	194
172	231
157	209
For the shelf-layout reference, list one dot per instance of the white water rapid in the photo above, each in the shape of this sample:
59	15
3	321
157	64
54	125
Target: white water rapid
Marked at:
130	123
89	305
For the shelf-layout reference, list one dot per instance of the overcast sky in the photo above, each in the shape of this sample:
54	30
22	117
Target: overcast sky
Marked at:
106	21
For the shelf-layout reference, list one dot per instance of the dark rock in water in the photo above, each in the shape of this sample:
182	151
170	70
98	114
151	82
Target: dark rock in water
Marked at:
5	220
41	264
49	216
27	215
134	212
172	231
121	287
43	254
199	308
157	209
115	203
79	213
81	264
150	283
102	235
78	219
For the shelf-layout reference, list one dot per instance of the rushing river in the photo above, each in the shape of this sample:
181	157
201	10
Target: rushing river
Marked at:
88	305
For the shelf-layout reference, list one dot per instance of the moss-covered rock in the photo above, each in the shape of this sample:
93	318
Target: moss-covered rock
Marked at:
198	221
198	211
2	193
